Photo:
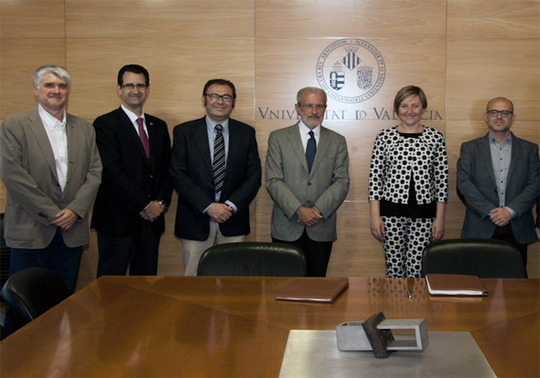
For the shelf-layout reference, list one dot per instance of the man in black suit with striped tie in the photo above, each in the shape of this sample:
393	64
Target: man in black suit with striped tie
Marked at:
215	168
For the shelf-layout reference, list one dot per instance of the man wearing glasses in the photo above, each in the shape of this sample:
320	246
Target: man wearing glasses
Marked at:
307	176
129	211
215	168
497	176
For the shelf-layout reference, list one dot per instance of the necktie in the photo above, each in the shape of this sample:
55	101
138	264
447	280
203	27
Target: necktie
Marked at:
311	150
219	159
144	138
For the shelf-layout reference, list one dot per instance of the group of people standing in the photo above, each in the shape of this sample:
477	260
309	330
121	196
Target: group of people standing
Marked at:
497	178
54	164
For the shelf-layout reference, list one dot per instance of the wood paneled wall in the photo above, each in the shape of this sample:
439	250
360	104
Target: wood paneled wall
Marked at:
461	52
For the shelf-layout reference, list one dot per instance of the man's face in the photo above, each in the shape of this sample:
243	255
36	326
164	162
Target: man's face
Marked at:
133	91
218	110
52	93
311	109
499	123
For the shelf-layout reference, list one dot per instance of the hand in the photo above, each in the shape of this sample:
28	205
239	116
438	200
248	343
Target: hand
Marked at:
377	227
65	219
220	212
537	231
500	216
308	216
152	211
437	230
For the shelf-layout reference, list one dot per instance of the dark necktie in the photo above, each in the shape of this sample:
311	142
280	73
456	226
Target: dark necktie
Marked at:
219	159
144	138
311	150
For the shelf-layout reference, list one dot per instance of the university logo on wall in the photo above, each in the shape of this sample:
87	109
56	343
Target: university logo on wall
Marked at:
351	70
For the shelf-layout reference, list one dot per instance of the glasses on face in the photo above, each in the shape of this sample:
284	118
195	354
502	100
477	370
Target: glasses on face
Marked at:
311	106
215	97
495	113
53	85
133	86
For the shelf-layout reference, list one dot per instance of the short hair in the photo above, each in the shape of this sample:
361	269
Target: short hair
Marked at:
313	90
58	71
499	98
407	91
219	82
133	68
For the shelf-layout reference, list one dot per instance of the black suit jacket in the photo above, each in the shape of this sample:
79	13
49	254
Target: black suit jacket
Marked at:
191	175
129	182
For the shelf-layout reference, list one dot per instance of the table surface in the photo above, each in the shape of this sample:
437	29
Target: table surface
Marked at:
234	327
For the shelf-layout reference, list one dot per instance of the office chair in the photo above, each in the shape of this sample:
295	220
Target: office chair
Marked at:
33	291
253	259
485	258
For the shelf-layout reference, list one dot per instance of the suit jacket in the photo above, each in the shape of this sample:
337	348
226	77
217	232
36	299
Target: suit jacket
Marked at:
476	184
34	195
129	181
291	185
192	177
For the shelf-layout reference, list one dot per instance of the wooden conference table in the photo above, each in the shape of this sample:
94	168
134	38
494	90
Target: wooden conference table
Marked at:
233	326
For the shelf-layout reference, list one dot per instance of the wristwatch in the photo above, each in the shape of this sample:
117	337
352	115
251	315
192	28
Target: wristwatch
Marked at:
162	203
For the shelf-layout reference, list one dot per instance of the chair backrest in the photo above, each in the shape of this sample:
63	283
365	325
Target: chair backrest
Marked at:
485	258
253	259
33	291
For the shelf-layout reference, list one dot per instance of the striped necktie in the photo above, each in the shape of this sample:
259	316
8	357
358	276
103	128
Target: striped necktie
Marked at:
219	159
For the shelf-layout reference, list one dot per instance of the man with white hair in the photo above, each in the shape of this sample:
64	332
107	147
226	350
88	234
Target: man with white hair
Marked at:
51	168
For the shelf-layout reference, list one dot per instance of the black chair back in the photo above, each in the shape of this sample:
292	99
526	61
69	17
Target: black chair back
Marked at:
253	259
485	258
33	291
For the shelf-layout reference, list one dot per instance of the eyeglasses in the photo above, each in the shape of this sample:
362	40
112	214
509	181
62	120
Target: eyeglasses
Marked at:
311	106
215	97
495	113
132	86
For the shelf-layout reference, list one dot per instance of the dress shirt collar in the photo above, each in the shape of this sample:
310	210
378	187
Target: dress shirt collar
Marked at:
210	125
304	130
132	116
506	141
49	121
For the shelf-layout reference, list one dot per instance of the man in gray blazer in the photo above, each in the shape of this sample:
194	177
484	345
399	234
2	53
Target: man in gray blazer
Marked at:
51	169
307	176
497	177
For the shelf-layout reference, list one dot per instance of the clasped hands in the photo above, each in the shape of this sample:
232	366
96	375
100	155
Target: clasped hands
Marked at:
308	216
152	211
220	212
500	216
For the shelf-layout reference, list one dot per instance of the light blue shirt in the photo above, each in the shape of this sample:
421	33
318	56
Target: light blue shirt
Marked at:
501	154
212	132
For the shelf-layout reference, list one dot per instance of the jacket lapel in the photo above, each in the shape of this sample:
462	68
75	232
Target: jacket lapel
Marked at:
296	143
322	146
37	127
131	134
201	142
485	154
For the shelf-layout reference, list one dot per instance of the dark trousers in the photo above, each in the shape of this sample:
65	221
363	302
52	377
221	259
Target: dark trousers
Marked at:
139	252
317	254
56	257
505	233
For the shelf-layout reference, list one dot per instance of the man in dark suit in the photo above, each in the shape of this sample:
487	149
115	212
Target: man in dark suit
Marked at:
215	168
307	176
129	211
497	176
51	168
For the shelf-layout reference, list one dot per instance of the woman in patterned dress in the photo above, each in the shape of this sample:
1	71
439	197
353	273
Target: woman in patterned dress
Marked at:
408	186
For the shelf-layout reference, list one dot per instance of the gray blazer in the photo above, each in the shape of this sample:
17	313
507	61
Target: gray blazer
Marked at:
28	171
476	184
290	185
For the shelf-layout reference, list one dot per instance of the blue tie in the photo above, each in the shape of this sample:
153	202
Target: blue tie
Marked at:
311	150
219	160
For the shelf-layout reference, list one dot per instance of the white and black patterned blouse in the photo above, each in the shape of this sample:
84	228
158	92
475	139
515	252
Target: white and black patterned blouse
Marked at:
398	160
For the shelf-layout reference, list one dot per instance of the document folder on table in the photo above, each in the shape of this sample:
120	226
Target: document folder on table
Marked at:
455	284
313	290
